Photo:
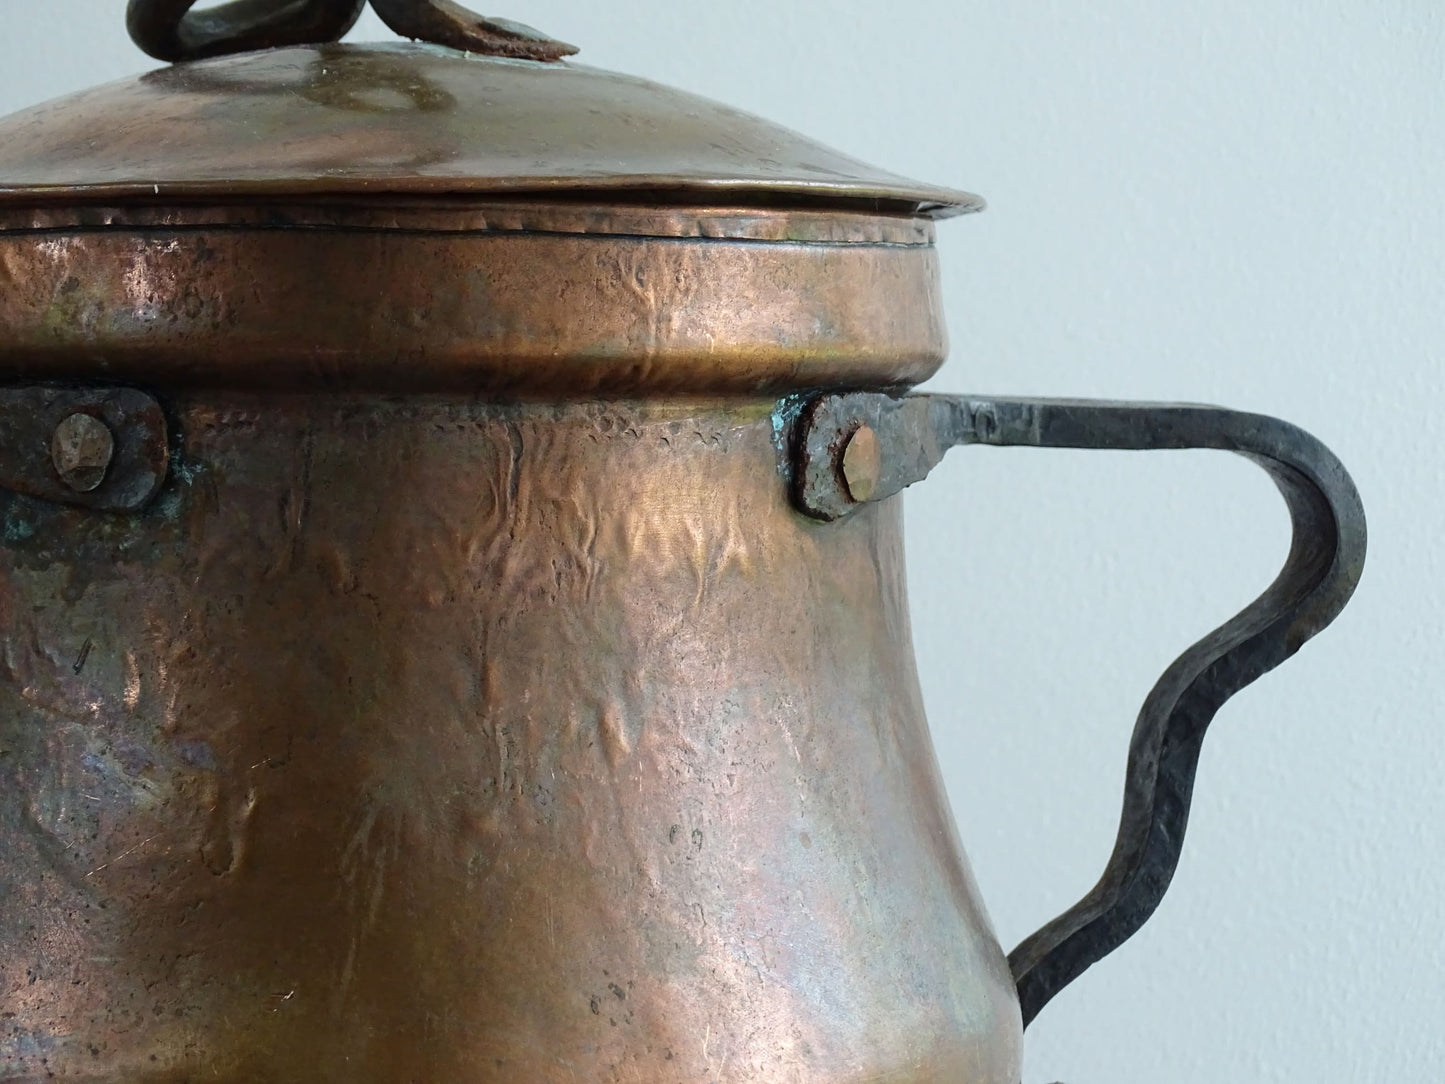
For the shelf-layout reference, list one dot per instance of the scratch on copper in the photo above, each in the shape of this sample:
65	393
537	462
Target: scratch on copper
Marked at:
132	681
123	854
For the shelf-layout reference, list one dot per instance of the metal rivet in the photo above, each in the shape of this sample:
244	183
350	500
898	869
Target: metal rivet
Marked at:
862	464
81	449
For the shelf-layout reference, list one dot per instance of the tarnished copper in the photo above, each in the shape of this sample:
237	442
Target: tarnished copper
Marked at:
516	300
484	655
431	739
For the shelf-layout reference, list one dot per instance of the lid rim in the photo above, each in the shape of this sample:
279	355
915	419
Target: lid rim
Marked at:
675	190
611	219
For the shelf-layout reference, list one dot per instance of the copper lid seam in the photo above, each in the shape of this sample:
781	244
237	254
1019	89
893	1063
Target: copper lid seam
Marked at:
492	216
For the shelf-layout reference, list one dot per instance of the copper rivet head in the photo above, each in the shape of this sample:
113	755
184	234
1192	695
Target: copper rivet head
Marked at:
862	463
81	449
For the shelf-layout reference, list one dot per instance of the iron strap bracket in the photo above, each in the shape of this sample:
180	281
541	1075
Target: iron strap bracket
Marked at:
104	448
851	449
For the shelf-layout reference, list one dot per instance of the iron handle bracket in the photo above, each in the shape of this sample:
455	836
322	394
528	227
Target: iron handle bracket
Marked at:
854	448
104	448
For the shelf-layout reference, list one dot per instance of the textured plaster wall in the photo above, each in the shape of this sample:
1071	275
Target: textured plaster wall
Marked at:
1237	202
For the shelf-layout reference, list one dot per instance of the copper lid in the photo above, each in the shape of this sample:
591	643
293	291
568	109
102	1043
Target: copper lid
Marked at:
424	120
415	216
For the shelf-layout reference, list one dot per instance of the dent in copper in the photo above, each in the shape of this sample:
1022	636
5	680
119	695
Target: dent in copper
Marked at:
432	739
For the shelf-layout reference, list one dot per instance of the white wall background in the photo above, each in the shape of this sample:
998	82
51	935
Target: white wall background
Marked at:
1240	201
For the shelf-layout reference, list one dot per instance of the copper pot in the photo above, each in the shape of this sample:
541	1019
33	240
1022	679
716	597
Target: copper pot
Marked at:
454	620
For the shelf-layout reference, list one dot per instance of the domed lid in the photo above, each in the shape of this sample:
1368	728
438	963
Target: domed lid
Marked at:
278	210
414	120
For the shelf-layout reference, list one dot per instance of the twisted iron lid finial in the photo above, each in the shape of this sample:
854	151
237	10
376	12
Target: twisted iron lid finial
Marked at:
169	30
297	115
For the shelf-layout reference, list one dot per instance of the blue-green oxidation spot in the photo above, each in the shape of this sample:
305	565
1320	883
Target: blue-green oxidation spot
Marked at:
186	471
168	505
784	414
183	472
18	526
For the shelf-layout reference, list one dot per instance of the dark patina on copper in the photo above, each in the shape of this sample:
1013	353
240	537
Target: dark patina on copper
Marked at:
482	653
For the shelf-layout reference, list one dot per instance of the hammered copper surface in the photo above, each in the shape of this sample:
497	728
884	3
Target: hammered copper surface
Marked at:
514	299
432	739
408	119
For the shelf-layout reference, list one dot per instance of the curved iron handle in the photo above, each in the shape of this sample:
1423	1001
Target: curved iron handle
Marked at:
861	447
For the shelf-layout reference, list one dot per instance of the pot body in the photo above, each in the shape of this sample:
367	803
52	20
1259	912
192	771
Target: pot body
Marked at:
432	738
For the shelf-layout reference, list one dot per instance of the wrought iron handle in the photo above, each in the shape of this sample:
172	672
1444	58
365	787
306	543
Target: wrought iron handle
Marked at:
862	447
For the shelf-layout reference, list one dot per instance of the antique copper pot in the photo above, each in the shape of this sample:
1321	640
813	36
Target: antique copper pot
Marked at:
452	592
